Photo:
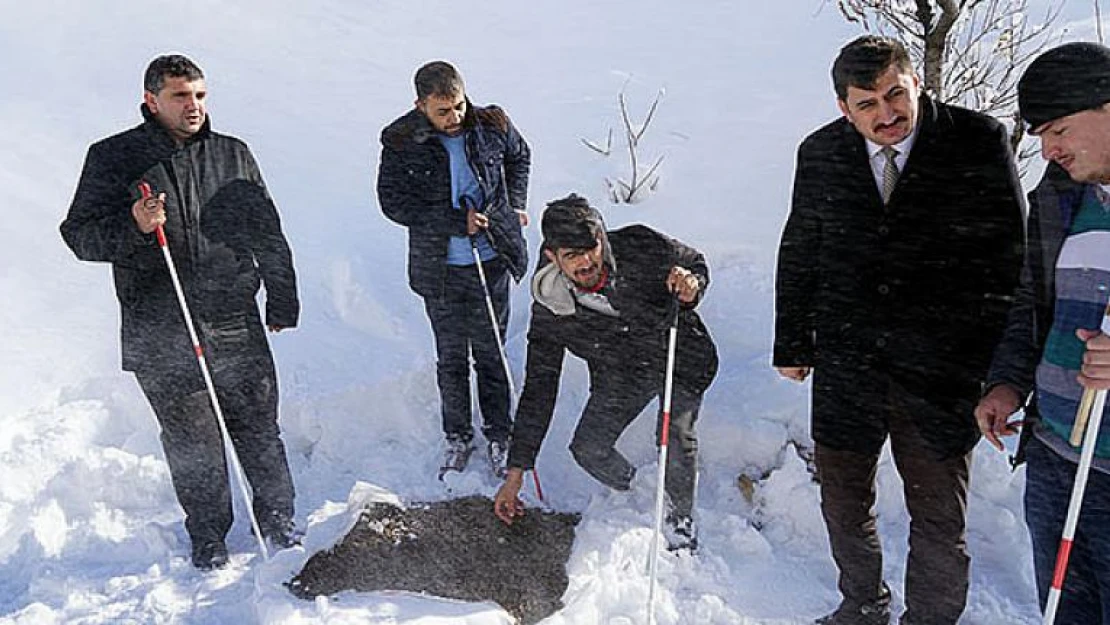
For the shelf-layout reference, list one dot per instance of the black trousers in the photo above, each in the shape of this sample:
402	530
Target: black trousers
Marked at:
614	403
462	327
246	386
935	491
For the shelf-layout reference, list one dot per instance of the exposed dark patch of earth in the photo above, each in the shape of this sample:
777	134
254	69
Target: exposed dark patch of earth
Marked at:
455	549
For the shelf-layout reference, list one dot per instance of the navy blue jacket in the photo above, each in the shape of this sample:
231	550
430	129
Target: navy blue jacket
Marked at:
414	190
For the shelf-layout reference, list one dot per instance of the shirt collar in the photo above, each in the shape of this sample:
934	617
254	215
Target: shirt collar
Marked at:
904	146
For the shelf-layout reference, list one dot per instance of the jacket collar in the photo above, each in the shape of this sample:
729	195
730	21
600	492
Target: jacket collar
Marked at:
415	124
157	130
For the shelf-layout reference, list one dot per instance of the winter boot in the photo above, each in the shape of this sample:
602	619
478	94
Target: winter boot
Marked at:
211	554
280	531
498	458
681	533
874	612
456	456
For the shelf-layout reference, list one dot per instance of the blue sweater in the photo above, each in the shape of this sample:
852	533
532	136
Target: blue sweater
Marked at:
463	183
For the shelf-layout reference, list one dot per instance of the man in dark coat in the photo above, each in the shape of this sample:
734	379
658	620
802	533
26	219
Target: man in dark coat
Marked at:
456	176
896	267
609	298
1052	350
226	240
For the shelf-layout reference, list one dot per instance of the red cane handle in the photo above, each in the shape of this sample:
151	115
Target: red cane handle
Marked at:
144	188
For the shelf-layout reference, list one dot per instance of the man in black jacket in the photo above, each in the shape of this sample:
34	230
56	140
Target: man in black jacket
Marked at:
608	298
225	236
896	266
456	176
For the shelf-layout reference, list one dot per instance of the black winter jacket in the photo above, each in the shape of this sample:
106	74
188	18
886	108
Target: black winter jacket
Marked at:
414	190
222	228
1052	207
915	292
633	344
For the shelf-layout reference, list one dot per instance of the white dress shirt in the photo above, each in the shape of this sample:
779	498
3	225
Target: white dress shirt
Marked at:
878	161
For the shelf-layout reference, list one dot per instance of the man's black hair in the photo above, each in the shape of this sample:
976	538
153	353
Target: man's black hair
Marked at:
438	78
170	65
571	223
864	59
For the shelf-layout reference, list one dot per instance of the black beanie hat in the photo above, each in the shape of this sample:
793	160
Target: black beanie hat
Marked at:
572	223
1070	78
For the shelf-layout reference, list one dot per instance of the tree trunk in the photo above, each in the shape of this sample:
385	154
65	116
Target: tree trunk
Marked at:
936	37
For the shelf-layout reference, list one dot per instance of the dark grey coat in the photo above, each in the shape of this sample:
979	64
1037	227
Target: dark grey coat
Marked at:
223	231
633	344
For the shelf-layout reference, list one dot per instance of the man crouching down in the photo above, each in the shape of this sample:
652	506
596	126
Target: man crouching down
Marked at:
608	299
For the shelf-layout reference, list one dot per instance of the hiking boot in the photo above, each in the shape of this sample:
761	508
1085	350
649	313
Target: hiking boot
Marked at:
498	458
681	533
280	531
210	555
874	612
456	456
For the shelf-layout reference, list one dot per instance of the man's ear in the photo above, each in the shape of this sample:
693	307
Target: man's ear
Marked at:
549	254
843	106
150	101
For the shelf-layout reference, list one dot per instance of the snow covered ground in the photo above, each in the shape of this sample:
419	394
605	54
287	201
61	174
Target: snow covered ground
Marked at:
89	528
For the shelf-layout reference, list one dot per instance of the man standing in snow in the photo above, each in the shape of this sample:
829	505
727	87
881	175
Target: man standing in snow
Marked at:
456	176
1052	349
895	271
226	240
608	298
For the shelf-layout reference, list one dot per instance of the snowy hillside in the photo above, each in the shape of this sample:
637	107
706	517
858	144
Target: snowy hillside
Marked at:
90	531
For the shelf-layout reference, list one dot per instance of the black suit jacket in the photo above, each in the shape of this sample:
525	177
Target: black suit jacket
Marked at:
913	293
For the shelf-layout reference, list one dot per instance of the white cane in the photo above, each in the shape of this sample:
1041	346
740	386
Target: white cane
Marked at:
468	204
240	478
1090	415
660	486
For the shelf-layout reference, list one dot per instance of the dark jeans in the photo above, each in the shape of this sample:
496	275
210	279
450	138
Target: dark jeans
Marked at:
1085	595
462	326
246	386
616	401
935	490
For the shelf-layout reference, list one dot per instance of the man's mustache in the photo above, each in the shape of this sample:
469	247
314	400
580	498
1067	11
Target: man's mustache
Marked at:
890	124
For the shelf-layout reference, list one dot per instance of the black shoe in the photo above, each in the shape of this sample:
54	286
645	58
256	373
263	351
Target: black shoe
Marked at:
681	533
874	612
210	555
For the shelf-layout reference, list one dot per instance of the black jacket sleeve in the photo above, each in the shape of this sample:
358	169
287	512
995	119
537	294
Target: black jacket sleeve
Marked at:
1018	353
401	201
274	258
798	274
541	387
99	225
518	163
693	261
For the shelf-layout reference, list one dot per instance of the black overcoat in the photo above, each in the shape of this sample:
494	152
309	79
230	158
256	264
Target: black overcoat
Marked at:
909	298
